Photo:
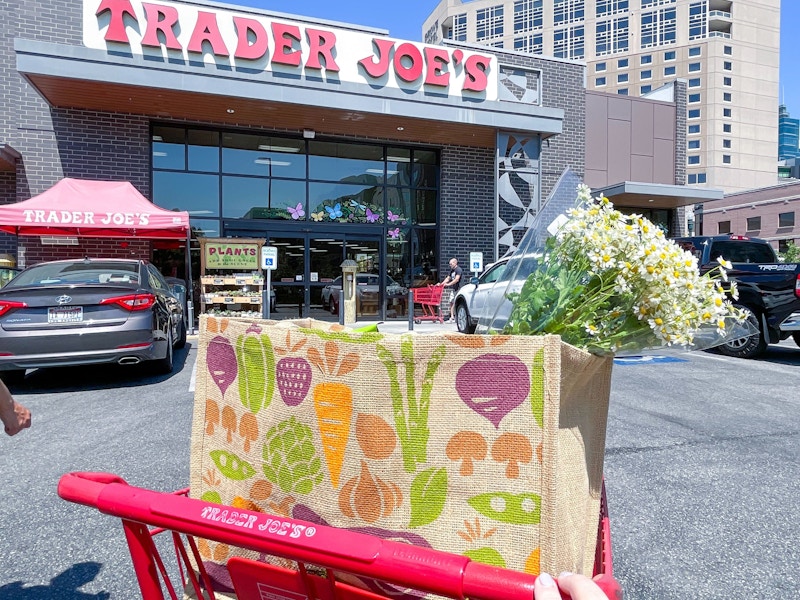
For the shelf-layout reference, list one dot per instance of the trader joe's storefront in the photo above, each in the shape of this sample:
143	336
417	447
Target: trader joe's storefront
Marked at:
318	201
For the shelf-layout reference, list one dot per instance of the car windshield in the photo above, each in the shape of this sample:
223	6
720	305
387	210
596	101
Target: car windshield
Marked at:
83	273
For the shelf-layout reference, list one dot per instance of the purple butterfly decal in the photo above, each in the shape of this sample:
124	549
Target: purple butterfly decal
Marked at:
394	233
372	217
391	216
297	212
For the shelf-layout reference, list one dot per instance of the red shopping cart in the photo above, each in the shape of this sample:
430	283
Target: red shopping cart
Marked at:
430	299
322	554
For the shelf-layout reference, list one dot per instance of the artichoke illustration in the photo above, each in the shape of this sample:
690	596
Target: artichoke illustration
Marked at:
290	458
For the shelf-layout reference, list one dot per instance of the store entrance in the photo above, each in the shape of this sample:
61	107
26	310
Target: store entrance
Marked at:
309	274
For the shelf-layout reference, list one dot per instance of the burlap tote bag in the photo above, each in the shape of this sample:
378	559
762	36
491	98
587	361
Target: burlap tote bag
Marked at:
486	446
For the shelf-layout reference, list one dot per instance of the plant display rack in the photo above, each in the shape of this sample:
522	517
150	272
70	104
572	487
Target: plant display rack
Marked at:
231	292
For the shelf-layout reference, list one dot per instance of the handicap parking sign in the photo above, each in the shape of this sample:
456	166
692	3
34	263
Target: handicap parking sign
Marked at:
269	258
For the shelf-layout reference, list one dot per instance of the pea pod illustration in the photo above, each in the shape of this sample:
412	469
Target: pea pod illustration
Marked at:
211	496
256	365
487	556
517	509
428	496
231	466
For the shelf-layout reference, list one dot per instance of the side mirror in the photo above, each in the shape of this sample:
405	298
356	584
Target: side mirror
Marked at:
474	281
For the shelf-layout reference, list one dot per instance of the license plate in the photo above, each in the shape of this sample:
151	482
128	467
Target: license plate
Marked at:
71	314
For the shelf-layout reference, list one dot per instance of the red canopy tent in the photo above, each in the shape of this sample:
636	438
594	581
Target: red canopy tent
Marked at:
86	208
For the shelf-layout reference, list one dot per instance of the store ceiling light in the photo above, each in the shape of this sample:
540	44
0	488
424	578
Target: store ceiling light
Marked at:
268	161
309	134
268	148
231	111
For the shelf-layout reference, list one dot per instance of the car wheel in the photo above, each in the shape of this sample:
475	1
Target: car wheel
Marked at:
334	309
463	321
796	337
748	347
181	335
12	377
163	366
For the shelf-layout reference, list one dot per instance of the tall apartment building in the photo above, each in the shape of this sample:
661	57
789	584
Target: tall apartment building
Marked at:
726	50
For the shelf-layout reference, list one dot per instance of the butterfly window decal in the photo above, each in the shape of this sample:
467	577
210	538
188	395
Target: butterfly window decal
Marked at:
372	217
297	212
334	212
394	233
391	216
318	216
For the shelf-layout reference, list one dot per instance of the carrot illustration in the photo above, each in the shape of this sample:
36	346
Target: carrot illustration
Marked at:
333	405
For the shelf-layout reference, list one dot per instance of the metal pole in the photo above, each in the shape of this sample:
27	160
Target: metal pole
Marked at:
268	294
341	304
189	284
411	310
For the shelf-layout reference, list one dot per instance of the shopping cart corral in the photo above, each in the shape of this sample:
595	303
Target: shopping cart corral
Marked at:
430	299
322	553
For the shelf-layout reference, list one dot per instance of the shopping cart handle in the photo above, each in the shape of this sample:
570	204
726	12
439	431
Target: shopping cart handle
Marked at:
85	487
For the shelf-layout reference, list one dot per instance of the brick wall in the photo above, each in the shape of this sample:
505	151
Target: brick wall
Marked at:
467	197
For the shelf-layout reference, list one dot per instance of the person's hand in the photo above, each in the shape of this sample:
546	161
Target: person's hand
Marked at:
577	586
20	419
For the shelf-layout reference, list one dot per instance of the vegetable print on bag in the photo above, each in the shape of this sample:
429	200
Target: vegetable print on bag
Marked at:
486	446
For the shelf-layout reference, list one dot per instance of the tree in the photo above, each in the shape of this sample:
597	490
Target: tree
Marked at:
791	254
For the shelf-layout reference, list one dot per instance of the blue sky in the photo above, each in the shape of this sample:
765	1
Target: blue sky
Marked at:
404	20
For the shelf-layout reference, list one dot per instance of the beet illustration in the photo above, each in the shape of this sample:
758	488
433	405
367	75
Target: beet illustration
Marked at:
293	376
493	385
221	362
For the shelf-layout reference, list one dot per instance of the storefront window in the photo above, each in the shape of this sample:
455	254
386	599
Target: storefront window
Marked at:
345	203
196	193
351	163
203	149
245	154
204	228
426	170
169	148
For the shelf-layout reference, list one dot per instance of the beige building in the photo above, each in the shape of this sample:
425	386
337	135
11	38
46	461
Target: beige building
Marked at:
726	50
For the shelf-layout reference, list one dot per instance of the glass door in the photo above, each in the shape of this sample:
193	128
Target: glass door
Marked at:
309	274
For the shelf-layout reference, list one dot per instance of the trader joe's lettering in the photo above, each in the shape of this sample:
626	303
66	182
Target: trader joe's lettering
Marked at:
255	41
251	521
74	217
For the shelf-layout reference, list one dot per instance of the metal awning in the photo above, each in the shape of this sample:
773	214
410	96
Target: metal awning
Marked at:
656	195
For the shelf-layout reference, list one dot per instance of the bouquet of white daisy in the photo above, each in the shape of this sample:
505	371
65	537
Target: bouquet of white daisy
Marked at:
609	283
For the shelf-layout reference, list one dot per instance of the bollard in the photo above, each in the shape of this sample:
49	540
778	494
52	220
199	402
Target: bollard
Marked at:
341	305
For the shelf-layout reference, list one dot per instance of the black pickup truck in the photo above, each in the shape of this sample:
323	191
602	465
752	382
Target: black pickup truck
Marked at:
768	289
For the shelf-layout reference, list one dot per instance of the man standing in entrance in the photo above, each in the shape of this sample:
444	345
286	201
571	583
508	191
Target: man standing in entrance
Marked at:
452	282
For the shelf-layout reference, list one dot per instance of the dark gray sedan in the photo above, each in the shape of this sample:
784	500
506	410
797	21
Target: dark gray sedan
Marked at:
89	311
